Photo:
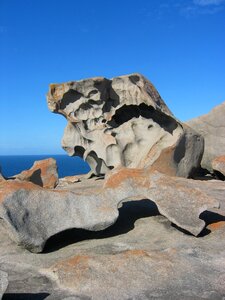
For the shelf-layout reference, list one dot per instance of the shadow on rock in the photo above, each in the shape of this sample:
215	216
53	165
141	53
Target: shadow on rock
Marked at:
209	218
25	296
128	214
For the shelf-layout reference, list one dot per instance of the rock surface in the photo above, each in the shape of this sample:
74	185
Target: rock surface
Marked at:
140	257
218	165
3	283
32	214
124	122
212	127
43	173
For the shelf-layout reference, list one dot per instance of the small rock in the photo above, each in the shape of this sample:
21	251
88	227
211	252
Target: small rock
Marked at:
43	173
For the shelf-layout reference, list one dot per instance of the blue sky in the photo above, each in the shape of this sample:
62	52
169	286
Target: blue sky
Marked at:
179	45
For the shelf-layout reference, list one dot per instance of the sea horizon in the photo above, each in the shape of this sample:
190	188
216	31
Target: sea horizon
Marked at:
12	164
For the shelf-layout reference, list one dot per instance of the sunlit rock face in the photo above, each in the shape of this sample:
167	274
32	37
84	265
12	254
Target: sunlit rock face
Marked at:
123	122
212	127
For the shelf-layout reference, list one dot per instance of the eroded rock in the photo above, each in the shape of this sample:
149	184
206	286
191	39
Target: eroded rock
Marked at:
32	214
3	283
43	173
212	127
218	165
124	122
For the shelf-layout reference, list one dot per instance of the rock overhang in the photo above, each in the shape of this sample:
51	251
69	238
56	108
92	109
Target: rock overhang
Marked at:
121	121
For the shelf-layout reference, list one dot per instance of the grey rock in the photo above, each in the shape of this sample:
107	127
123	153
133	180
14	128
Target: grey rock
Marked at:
140	257
212	127
218	165
3	283
32	214
123	121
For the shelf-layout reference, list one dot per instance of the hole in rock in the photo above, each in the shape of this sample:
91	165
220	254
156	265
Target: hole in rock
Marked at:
25	296
130	212
219	175
128	112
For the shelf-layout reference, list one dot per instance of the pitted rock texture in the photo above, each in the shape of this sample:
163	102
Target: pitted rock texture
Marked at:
3	283
43	173
218	165
124	122
212	127
32	214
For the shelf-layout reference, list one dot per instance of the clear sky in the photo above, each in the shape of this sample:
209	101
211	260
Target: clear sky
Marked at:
179	45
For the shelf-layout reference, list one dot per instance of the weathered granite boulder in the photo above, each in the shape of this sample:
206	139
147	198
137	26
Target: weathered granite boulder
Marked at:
212	127
124	122
43	173
218	165
32	214
3	283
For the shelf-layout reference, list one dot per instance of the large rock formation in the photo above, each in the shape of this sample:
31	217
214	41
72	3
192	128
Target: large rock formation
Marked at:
212	127
124	122
32	214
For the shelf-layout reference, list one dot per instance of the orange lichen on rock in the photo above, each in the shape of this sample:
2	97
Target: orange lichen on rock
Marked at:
73	262
43	173
136	175
165	163
11	186
217	225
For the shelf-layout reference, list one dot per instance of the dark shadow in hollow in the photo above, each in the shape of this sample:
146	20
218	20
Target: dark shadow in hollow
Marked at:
25	296
211	217
219	175
36	177
69	97
208	217
128	112
128	214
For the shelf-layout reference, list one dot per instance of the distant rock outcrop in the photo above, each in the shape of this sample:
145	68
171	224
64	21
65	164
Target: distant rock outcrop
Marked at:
43	173
124	122
212	127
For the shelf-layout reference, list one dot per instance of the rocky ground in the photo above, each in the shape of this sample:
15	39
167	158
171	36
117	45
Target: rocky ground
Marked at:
142	256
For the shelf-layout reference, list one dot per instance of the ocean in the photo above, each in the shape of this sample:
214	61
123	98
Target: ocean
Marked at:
67	166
